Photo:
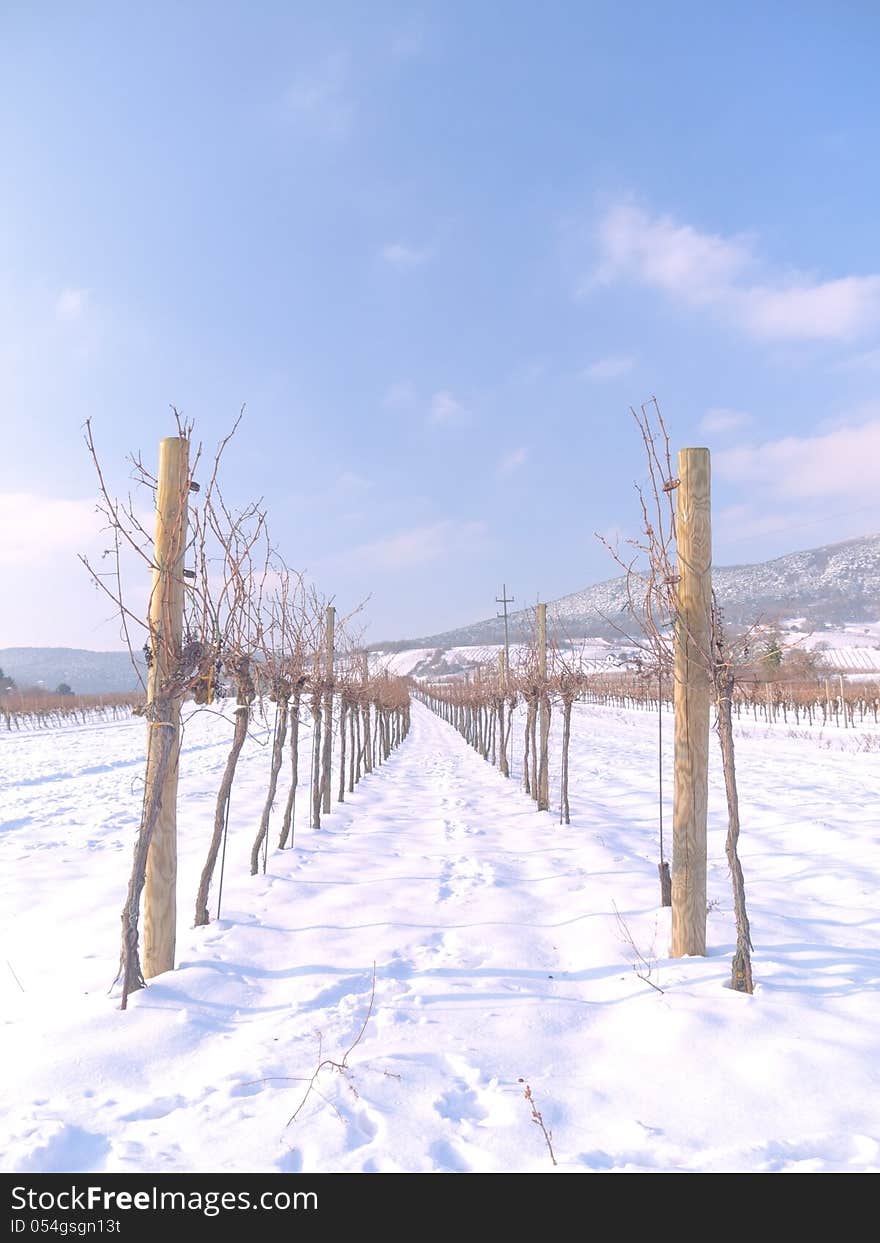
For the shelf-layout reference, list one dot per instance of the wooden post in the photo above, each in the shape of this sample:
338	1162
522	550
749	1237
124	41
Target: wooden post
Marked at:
326	778
365	713
544	701
166	633
693	643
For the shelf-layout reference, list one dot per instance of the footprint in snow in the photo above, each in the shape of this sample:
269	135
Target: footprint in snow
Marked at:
448	1157
161	1107
361	1127
291	1162
460	1104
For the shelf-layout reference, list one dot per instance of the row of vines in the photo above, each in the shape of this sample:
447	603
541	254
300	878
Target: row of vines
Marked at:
34	710
230	629
842	703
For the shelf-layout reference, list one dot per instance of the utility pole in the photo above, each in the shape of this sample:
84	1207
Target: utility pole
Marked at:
504	599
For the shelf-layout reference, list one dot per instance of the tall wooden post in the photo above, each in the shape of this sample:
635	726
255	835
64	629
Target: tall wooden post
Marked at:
166	633
693	652
365	713
326	779
544	700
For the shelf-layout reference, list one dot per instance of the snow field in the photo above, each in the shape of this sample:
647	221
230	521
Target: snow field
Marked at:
498	956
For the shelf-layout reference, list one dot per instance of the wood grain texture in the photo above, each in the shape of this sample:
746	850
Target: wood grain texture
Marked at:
166	633
692	702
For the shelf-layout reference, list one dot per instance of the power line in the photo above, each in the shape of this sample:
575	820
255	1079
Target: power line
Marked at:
783	528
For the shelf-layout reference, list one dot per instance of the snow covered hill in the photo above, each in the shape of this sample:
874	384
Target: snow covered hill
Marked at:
820	590
837	583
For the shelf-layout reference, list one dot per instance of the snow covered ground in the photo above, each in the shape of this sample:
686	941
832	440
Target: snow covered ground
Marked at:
428	664
852	649
499	957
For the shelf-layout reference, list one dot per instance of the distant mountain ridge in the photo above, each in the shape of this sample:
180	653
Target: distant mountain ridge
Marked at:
832	584
86	673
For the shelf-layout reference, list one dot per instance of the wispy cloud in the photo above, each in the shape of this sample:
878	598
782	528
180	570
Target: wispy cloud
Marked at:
401	395
446	409
837	310
839	462
404	257
660	252
421	545
55	529
609	368
318	98
512	461
725	275
721	419
71	303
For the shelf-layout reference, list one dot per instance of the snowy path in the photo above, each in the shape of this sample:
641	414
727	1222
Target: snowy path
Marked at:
498	956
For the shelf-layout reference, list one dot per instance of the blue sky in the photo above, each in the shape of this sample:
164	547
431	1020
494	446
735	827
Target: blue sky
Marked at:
438	251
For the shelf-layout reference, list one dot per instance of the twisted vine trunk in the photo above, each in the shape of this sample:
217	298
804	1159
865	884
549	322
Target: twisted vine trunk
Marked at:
565	816
244	699
290	809
316	761
327	754
343	713
282	711
741	969
530	714
502	741
511	704
163	745
544	757
533	747
221	811
356	746
368	757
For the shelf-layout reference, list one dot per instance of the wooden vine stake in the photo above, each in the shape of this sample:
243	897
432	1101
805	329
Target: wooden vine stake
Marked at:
692	701
544	708
166	636
326	777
